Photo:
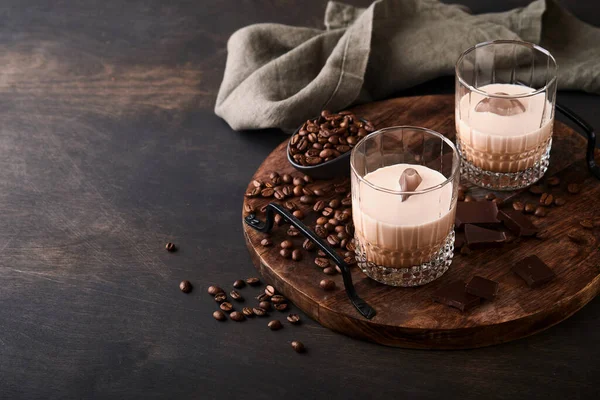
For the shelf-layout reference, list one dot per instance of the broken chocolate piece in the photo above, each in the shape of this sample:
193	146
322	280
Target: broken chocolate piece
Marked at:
476	212
454	295
517	222
409	182
504	107
533	271
481	238
483	287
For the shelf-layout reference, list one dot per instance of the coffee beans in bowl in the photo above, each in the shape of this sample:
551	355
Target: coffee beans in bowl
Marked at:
321	146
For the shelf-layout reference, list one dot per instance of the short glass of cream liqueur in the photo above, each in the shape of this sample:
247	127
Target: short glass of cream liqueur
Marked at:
404	191
505	98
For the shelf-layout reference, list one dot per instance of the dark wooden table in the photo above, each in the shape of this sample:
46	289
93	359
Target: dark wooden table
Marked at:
109	149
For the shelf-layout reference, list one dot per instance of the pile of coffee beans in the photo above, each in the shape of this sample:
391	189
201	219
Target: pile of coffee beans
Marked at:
327	137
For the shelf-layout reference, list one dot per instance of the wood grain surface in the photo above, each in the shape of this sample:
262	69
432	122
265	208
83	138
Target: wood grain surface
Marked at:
407	317
98	174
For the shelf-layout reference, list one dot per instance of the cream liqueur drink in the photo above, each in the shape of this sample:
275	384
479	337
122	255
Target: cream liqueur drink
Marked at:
504	135
402	233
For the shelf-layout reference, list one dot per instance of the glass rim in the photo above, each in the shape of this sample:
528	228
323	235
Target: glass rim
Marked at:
455	159
506	41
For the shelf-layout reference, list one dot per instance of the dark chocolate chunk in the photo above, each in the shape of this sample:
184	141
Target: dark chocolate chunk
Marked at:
459	241
481	238
476	212
483	287
454	295
517	222
533	271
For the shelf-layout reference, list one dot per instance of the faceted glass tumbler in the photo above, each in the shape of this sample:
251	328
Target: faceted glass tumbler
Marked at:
399	240
504	109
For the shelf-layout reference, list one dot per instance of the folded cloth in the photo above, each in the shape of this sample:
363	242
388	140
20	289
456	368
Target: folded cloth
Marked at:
277	76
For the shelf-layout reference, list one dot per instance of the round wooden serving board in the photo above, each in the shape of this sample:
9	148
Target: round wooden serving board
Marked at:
407	317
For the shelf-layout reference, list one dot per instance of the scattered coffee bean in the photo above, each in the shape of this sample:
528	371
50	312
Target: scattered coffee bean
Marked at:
329	227
350	260
322	262
330	271
327	212
240	283
249	208
307	179
547	199
285	253
308	245
253	281
536	189
321	231
553	181
247	311
226	306
267	192
319	192
220	297
274	325
278	220
335	203
573	188
298	347
281	306
327	284
333	240
518	206
278	299
347	202
236	295
290	205
559	201
469	198
586	223
540	212
322	220
262	297
185	286
254	192
293	232
341	189
257	183
297	255
266	242
576	237
490	196
293	319
270	290
307	199
297	190
321	253
259	312
298	181
213	290
237	316
273	175
286	178
286	244
530	208
265	305
171	247
319	206
219	315
298	214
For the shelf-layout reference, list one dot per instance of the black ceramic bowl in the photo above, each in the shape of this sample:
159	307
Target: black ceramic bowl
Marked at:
339	166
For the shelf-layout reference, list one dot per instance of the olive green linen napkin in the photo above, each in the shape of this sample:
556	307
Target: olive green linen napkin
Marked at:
277	76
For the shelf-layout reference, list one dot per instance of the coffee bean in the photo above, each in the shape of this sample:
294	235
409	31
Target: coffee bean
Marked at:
329	227
290	205
185	286
351	246
350	260
347	202
576	237
319	206
327	212
273	175
237	316
573	188
319	192
281	306
327	284
285	253
219	315
275	325
341	189
286	244
333	240
249	208
536	189
518	206
330	271
322	220
247	311
265	305
270	290
307	199
586	223
490	196
298	347
313	160
267	192
321	253
236	295
274	181
226	306
254	192
553	181
213	290
321	262
298	214
266	242
308	245
293	232
529	208
262	297
269	185
286	178
297	255
297	190
469	198
298	181
171	247
333	222
307	179
259	312
559	201
238	284
350	229
278	299
257	183
220	297
547	199
253	281
293	319
540	212
321	231
279	195
325	153
335	203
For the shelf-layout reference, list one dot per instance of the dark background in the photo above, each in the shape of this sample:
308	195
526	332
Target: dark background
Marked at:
109	149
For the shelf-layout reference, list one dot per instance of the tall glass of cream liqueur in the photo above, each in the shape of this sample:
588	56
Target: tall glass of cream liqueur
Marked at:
505	97
404	190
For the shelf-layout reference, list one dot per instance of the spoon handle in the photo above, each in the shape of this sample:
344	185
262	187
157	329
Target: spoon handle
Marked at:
363	308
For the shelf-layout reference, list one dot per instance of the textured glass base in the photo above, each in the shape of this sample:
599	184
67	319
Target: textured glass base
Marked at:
506	180
412	276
